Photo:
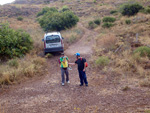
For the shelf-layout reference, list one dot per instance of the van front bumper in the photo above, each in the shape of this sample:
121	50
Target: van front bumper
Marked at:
56	49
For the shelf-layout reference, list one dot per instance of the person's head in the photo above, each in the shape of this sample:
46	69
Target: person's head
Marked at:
77	55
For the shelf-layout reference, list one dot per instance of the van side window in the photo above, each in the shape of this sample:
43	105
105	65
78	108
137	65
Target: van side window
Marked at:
52	39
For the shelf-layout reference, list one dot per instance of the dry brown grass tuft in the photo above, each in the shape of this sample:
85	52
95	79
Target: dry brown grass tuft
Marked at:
145	82
72	35
28	67
107	41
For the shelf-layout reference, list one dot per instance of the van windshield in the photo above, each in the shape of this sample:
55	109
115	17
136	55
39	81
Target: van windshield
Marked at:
52	39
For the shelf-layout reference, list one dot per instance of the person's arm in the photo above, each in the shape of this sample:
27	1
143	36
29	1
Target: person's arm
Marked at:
72	64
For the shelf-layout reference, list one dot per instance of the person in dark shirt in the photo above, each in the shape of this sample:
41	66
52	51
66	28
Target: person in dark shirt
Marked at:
81	69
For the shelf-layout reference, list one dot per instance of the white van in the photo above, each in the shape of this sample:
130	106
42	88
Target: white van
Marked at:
53	42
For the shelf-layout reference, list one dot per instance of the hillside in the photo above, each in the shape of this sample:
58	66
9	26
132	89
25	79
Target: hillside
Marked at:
118	72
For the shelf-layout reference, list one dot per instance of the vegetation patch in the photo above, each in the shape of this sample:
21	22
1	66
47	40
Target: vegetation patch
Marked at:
57	21
107	25
146	10
45	10
145	83
109	19
113	12
92	25
65	8
143	51
16	70
20	18
13	43
13	63
131	9
102	61
128	22
97	21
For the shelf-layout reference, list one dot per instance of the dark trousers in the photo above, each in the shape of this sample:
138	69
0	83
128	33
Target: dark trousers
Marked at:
64	71
82	76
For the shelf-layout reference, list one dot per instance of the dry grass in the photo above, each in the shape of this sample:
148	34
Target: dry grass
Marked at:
107	41
28	66
72	35
145	82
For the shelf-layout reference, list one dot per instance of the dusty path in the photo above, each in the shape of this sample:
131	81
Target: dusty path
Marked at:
46	95
85	44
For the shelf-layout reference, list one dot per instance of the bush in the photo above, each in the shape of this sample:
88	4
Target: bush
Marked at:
94	1
131	9
20	18
57	21
65	8
143	51
113	12
13	43
92	25
109	19
47	2
102	61
107	25
97	21
45	10
128	21
13	63
146	10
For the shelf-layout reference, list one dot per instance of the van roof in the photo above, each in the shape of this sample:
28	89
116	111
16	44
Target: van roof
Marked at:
52	33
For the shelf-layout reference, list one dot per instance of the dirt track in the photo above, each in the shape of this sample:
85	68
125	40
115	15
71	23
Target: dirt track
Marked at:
46	95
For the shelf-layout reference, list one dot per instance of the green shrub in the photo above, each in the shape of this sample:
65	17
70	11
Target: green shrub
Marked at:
128	21
113	12
20	18
92	25
94	1
45	10
102	61
109	19
65	8
146	10
57	21
131	9
47	2
97	21
107	25
13	43
143	51
13	63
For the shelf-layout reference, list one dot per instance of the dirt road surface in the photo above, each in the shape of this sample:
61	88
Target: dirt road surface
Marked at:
46	95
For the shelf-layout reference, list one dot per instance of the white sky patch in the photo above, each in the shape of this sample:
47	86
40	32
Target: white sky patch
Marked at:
2	2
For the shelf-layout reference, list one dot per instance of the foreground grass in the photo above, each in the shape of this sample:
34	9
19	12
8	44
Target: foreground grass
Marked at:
17	70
